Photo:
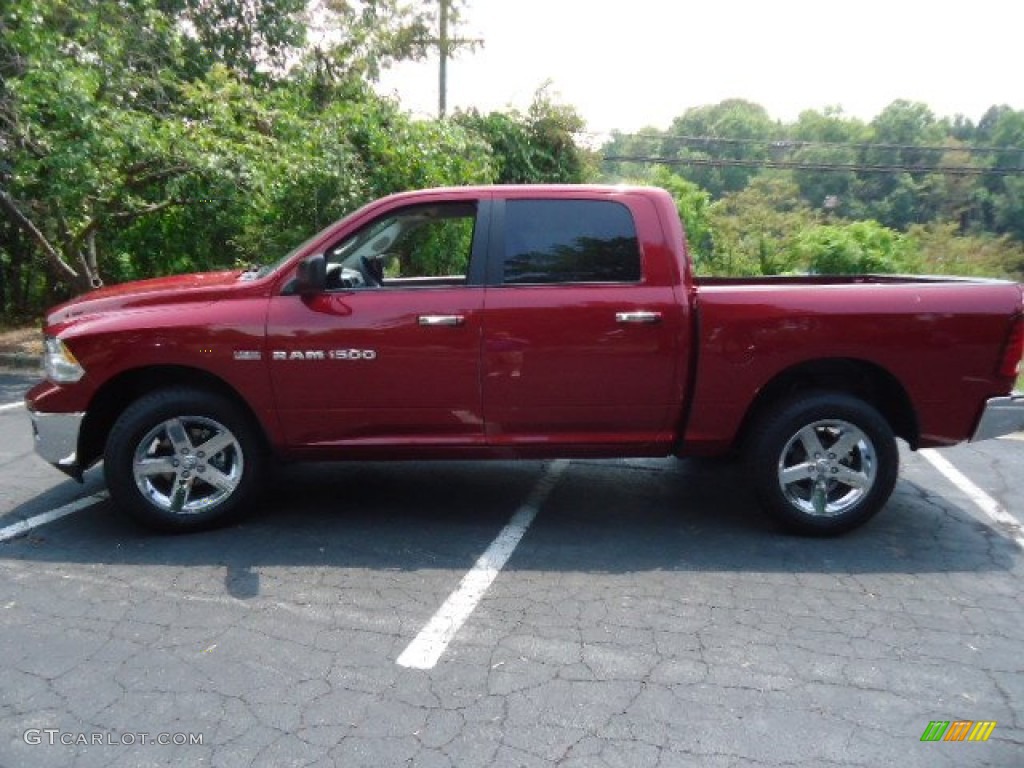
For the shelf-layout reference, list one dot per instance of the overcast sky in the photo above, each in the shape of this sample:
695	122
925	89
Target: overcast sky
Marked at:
628	64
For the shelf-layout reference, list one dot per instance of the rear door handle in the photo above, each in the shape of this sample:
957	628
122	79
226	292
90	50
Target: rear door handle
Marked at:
438	320
643	318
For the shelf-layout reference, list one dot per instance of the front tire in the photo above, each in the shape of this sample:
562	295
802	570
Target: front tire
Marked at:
823	463
182	460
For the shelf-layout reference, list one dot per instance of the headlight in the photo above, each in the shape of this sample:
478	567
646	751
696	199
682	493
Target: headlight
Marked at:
60	365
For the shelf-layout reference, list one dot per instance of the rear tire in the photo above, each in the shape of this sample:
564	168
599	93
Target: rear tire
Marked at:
183	460
823	463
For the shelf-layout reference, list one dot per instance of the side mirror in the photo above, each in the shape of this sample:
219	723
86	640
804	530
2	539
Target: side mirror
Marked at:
310	277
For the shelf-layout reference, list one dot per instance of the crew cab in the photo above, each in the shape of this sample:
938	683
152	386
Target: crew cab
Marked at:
526	321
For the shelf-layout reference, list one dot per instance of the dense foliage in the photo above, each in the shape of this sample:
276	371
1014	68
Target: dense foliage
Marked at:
538	147
829	193
145	137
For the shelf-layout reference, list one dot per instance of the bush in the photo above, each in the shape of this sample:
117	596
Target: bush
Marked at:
858	248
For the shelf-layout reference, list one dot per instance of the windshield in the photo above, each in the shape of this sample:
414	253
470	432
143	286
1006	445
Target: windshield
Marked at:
265	269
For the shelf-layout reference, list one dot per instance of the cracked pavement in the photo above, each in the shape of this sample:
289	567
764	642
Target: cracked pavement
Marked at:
649	617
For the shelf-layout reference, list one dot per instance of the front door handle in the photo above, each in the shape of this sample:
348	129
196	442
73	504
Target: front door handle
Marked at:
438	320
643	318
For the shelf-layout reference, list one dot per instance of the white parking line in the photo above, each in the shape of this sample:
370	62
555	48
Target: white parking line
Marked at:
425	650
11	406
992	508
24	526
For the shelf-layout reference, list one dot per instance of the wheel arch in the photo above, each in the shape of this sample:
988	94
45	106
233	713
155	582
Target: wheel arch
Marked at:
128	386
858	378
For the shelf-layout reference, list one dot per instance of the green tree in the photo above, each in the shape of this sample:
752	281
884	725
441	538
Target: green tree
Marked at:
891	189
943	250
250	37
352	41
857	248
124	157
1006	186
632	157
723	144
85	139
828	140
754	229
536	147
954	195
694	206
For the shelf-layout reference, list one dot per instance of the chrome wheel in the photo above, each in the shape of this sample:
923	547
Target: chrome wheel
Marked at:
827	467
187	465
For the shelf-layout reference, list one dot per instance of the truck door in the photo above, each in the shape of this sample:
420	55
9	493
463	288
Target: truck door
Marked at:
390	352
583	322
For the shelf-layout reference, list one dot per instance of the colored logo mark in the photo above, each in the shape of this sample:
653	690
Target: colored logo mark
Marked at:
958	730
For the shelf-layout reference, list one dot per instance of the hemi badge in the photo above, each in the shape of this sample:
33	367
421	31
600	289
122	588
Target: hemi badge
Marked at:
248	354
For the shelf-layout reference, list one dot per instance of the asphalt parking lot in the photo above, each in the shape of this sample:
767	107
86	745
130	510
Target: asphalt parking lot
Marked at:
649	616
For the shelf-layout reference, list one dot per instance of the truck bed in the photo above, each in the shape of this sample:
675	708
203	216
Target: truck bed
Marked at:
873	279
895	329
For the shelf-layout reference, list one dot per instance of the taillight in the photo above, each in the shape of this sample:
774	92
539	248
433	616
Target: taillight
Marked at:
1009	365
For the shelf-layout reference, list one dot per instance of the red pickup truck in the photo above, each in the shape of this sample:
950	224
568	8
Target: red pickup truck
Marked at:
528	321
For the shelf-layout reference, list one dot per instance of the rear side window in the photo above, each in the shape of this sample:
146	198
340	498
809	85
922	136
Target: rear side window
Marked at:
569	241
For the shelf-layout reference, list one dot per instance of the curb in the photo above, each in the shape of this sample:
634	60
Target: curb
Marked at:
18	360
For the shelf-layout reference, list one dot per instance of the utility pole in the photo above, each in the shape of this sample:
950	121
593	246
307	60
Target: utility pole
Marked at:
445	45
442	45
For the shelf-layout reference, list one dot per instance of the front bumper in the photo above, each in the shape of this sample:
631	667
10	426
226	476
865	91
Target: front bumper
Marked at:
1002	416
56	439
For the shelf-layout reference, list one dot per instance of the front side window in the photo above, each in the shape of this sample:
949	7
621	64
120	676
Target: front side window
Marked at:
569	241
418	246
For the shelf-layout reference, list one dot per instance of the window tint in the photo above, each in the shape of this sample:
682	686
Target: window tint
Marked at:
569	241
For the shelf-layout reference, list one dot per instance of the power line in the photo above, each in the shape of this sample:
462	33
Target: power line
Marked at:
789	144
952	170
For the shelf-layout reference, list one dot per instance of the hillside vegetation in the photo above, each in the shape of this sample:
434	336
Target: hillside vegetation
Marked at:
148	137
